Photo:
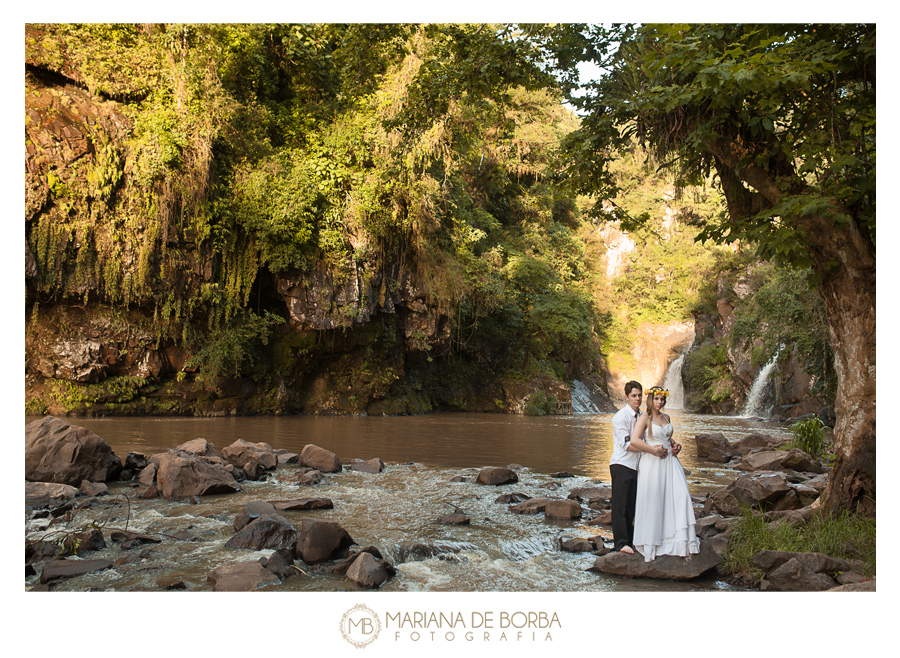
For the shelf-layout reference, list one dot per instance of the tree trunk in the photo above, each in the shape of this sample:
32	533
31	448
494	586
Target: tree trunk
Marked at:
848	291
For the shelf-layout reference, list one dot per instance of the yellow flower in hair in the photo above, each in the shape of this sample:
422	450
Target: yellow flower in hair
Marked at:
656	390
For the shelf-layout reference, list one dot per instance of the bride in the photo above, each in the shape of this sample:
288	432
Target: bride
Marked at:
664	515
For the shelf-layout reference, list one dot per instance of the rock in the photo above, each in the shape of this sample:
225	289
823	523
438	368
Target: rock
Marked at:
170	584
267	531
322	540
252	511
182	474
82	542
714	447
418	551
753	441
865	586
285	457
147	475
310	478
344	564
374	465
200	447
562	475
56	451
531	506
778	460
454	519
562	509
70	568
576	545
768	561
135	461
42	494
41	550
320	459
93	489
590	495
366	571
459	478
751	490
129	540
147	492
508	498
241	577
302	504
241	452
496	476
281	563
665	567
253	471
795	576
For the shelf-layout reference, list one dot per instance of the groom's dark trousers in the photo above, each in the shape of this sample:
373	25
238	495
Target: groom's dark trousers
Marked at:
624	498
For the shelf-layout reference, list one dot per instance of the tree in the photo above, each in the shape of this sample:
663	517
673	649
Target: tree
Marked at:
784	115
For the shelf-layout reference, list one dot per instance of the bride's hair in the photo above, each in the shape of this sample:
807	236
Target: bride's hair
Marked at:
651	392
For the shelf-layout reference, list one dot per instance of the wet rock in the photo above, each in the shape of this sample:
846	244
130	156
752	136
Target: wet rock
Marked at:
778	460
147	475
268	531
285	457
508	498
591	495
45	494
562	474
370	466
562	509
302	504
241	452
241	577
714	447
170	584
253	471
576	545
322	540
664	567
182	474
252	511
496	476
200	447
310	478
320	459
531	506
454	519
59	569
41	550
129	540
83	542
93	489
135	461
459	478
366	571
751	490
56	451
147	492
342	566
281	563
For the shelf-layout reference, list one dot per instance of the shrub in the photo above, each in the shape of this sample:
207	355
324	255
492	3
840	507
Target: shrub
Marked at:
540	404
809	436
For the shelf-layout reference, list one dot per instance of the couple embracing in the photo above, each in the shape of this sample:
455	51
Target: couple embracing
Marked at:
651	502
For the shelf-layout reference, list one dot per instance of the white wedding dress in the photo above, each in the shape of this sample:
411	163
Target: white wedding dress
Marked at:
664	522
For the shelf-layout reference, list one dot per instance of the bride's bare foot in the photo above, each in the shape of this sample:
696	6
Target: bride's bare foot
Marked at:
627	549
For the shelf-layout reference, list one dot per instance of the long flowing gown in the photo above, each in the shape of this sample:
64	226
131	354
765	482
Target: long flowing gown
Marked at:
664	522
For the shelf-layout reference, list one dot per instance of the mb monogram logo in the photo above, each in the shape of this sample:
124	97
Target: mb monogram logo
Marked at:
360	626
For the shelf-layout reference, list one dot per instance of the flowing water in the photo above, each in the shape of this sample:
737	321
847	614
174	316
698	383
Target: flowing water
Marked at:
757	400
392	510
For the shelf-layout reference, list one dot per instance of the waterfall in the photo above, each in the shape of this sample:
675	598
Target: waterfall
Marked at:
756	398
673	384
581	400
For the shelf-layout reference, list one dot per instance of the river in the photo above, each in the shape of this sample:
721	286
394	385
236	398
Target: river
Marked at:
499	551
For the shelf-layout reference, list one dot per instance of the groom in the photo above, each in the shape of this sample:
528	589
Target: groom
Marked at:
623	467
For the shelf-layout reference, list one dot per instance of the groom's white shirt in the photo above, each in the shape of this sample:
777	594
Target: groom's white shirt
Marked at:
623	424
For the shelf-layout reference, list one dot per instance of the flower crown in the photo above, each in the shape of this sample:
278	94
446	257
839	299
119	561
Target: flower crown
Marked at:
658	390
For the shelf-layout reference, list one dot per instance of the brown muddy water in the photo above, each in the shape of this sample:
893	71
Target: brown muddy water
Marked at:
498	552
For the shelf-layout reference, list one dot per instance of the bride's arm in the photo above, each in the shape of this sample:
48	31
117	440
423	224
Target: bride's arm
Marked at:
637	444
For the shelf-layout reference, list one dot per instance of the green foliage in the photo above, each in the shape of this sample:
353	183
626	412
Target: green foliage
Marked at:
845	536
809	436
540	403
708	373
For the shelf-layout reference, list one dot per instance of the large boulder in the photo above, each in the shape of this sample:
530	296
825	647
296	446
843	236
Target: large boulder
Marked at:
320	459
754	441
665	567
531	506
242	452
780	460
199	446
714	447
252	511
56	451
795	576
751	490
374	465
44	494
563	509
322	540
181	474
496	476
268	531
591	495
241	577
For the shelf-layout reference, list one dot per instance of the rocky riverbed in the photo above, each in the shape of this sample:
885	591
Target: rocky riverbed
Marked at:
80	533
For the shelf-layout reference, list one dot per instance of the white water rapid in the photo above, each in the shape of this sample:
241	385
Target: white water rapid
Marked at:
756	400
673	383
